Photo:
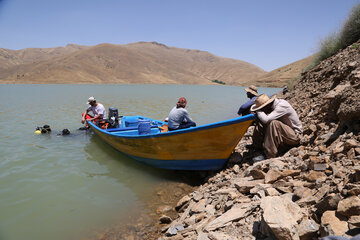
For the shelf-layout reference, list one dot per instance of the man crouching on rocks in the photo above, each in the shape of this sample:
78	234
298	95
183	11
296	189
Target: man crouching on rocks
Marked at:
279	127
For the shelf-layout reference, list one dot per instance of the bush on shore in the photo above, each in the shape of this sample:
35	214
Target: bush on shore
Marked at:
349	34
219	82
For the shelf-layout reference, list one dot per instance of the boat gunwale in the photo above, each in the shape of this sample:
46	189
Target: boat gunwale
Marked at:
180	131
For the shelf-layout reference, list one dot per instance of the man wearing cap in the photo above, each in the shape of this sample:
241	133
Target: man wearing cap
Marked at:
96	108
179	117
280	126
251	93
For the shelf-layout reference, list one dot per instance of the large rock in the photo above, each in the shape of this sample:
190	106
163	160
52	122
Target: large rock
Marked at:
290	172
184	200
273	163
272	176
354	220
199	207
350	143
336	91
349	206
353	189
257	174
349	109
282	216
221	236
271	192
313	176
308	229
202	236
330	202
165	219
244	185
332	225
235	213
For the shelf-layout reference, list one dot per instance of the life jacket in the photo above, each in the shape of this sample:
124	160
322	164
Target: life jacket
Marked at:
103	123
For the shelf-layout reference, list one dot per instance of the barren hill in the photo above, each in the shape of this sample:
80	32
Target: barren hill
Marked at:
10	58
280	76
142	62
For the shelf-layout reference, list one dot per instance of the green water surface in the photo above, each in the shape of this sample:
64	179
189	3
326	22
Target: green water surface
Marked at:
67	187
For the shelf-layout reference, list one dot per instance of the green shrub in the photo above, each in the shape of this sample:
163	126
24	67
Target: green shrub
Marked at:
349	34
219	82
291	82
356	45
310	66
328	47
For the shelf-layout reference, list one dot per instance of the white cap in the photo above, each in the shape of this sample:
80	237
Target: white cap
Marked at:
91	99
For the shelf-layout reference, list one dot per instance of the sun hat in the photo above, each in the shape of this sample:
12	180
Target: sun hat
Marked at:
91	99
261	101
252	89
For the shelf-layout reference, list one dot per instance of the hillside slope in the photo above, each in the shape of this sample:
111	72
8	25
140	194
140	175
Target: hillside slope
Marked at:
143	62
280	76
10	58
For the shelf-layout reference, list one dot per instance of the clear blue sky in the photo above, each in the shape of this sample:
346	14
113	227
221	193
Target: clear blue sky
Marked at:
269	34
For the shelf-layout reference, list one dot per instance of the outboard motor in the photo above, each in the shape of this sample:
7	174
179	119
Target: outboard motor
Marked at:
113	118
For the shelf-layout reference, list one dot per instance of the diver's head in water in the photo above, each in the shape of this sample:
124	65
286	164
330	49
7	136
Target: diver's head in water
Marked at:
65	132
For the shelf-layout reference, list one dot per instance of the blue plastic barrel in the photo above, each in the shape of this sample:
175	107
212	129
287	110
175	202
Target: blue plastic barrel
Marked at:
144	126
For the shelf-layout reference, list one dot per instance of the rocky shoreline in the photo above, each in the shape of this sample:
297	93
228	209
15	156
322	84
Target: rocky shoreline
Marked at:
310	192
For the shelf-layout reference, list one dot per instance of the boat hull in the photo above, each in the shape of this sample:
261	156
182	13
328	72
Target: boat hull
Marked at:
205	147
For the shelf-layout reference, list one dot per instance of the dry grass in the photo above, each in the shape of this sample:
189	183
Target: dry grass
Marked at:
349	34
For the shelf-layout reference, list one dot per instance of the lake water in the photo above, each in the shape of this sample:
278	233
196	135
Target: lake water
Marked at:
71	187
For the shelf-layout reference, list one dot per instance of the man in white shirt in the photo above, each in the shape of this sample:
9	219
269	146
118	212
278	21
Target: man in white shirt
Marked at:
279	126
96	108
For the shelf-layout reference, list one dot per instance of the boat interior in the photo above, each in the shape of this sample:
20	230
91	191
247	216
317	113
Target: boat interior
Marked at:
137	125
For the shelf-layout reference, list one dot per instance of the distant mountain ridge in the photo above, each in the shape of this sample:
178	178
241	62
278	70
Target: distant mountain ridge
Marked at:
9	58
134	63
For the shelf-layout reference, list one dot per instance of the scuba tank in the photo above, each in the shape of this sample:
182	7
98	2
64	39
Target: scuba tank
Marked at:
44	129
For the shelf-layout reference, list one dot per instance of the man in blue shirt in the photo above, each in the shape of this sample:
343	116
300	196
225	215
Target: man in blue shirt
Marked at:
179	117
251	93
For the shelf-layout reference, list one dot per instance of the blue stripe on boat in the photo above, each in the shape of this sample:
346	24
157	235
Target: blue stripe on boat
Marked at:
205	147
180	131
203	164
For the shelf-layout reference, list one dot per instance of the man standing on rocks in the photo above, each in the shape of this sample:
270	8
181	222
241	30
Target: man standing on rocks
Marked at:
279	127
251	93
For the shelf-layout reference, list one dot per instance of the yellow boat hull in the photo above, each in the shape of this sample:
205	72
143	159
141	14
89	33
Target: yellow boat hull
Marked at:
200	148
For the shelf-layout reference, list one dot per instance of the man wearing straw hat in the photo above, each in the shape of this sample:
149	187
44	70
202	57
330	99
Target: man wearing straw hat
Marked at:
280	126
251	93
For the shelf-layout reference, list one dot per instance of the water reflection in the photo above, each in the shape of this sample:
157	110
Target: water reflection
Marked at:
130	172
